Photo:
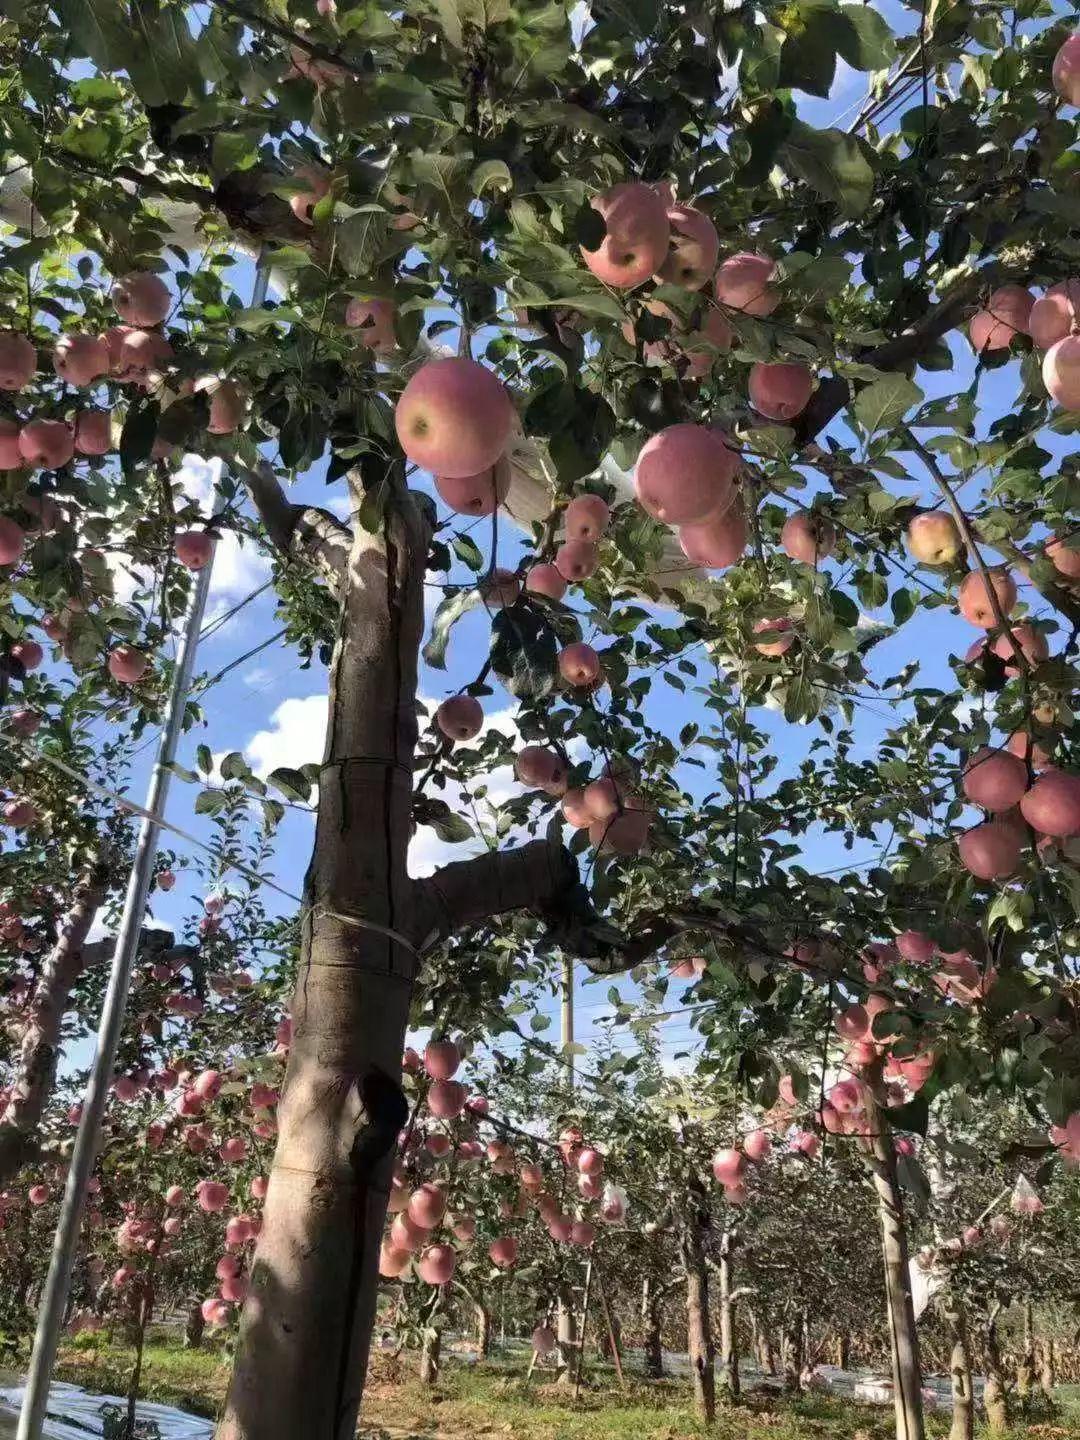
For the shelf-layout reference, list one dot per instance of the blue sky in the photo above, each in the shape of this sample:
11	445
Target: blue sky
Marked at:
274	710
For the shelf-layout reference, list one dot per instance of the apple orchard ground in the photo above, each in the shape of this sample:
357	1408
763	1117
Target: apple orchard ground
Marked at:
493	1399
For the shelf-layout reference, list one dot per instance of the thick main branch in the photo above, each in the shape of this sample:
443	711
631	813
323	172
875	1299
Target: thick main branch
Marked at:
300	532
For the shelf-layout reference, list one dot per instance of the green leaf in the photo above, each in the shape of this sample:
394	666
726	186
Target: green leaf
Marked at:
446	617
832	163
467	551
233	150
360	238
204	759
100	29
491	175
868	43
234	766
884	404
524	652
293	784
450	827
210	802
808	54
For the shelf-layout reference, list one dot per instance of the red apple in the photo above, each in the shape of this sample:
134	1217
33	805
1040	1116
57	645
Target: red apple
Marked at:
742	282
636	242
81	359
18	360
577	560
1066	71
227	407
781	629
717	542
973	597
933	538
1061	372
695	248
579	665
994	779
374	319
10	454
194	548
461	717
437	1264
780	391
12	541
1052	805
808	536
126	664
454	418
1005	316
545	580
586	518
141	299
47	443
441	1059
93	432
990	851
684	474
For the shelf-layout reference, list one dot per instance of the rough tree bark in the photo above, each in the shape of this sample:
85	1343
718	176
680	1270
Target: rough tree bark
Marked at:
1047	1369
302	1352
729	1355
963	1390
35	1070
764	1350
483	1331
194	1328
431	1356
698	1326
1025	1370
652	1299
995	1392
903	1337
791	1352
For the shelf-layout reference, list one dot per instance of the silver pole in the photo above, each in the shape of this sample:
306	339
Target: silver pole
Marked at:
54	1297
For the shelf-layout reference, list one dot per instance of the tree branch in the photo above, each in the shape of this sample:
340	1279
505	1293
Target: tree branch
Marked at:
833	395
540	876
300	532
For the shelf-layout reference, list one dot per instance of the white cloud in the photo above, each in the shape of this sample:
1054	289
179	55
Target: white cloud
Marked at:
257	676
296	736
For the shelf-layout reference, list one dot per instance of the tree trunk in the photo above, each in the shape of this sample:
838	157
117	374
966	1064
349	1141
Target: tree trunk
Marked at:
963	1390
1025	1370
194	1328
843	1350
483	1331
995	1393
791	1354
430	1355
1047	1375
729	1355
903	1337
302	1352
651	1302
567	1334
699	1329
35	1069
764	1351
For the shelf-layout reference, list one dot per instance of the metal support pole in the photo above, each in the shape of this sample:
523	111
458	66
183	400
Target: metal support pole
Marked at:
568	1018
65	1242
565	1328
